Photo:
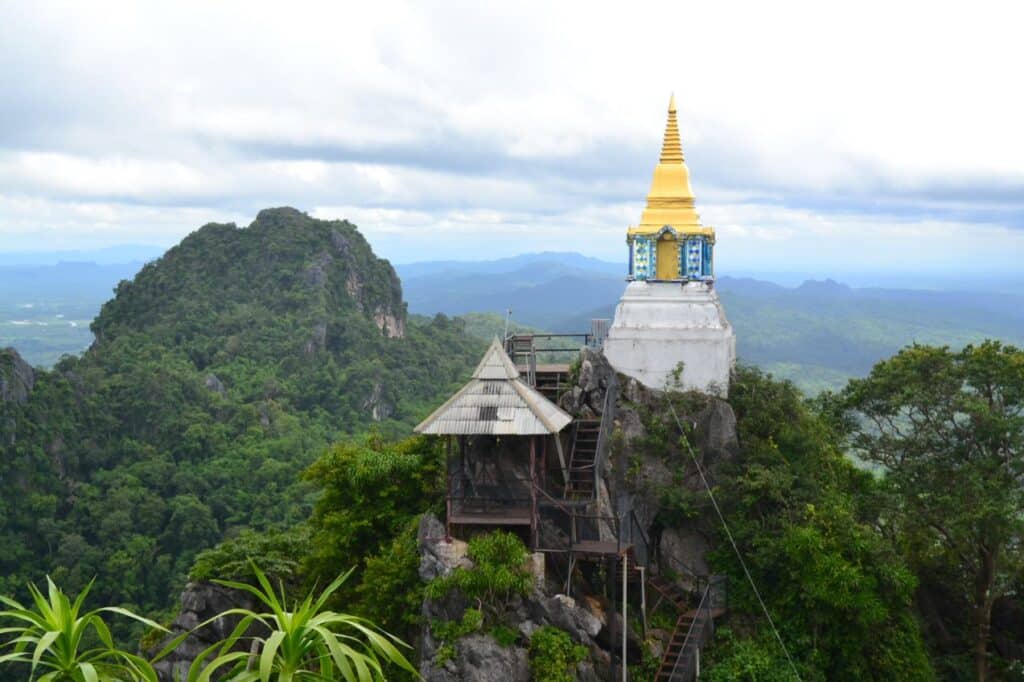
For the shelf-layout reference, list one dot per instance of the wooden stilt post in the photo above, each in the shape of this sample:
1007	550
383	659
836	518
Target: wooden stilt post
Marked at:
544	463
448	499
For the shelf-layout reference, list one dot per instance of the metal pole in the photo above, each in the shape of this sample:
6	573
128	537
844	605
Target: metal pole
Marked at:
643	598
610	566
625	626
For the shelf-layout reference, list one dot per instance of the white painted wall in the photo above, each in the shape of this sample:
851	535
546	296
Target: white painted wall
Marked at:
660	324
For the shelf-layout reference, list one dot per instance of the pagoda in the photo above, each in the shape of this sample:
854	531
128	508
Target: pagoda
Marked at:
669	318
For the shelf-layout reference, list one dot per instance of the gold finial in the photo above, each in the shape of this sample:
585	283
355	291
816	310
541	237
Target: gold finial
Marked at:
670	201
672	148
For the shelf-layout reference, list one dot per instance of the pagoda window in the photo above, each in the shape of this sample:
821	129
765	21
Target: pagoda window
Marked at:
643	258
694	257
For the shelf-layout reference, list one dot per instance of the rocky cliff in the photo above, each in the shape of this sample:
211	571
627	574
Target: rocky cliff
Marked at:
16	377
648	472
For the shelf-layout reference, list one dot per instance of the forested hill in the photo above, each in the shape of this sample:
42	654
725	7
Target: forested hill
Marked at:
218	374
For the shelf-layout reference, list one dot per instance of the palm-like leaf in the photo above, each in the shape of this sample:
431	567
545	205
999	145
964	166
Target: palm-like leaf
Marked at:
303	643
50	639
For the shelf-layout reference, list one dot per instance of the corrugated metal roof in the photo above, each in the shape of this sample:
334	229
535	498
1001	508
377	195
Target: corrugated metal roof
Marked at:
496	364
496	402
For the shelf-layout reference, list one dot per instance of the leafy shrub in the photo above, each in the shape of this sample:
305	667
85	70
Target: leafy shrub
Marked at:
504	635
448	631
747	660
498	573
553	656
371	491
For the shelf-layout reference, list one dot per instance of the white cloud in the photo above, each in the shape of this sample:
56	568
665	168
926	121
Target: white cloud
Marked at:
808	126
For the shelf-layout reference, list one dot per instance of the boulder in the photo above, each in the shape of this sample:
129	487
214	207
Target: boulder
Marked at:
563	612
439	556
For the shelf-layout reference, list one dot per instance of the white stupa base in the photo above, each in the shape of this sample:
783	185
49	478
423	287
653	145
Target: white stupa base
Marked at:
661	324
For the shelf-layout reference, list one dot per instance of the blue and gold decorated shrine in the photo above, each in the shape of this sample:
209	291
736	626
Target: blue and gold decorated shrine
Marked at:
670	244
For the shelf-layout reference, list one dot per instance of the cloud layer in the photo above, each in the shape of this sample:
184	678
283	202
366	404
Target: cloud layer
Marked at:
819	137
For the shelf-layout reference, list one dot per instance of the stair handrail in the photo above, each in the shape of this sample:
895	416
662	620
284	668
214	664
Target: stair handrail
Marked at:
604	434
703	613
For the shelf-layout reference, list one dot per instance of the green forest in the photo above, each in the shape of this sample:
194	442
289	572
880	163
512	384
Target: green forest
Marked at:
219	374
246	411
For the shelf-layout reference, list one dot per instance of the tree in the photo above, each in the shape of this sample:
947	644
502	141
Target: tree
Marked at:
804	519
948	428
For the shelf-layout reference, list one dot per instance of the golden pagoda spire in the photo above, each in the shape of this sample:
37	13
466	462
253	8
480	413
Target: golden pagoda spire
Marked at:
670	201
672	148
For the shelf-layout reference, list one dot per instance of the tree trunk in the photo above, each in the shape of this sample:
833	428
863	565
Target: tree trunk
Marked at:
983	613
981	652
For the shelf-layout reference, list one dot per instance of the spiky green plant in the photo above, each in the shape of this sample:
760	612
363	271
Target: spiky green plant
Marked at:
306	642
53	640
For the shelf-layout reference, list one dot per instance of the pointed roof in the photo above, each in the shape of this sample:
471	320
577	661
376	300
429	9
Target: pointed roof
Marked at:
496	364
670	200
496	402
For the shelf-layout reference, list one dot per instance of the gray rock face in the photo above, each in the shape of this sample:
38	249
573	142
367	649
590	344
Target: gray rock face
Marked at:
17	378
685	548
199	603
645	460
563	612
587	397
479	658
716	431
213	383
438	556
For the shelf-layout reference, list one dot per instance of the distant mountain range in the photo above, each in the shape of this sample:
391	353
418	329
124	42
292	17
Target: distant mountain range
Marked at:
111	255
818	333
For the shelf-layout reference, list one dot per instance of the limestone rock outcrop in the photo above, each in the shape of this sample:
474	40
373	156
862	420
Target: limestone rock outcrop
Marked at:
17	378
200	602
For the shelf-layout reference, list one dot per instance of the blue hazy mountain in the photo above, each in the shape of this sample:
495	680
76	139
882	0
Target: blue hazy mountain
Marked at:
111	255
818	333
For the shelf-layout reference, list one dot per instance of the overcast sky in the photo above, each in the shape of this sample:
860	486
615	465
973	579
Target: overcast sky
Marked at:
820	137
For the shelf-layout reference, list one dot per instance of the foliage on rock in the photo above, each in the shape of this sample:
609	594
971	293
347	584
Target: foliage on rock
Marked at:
499	572
804	517
553	655
371	491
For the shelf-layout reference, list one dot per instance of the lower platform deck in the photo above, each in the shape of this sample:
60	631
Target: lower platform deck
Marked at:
511	516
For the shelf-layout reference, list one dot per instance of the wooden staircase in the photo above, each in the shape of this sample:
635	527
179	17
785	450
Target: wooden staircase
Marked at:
678	663
682	648
582	459
551	380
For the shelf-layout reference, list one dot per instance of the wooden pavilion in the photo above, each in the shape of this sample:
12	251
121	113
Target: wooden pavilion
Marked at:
500	431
